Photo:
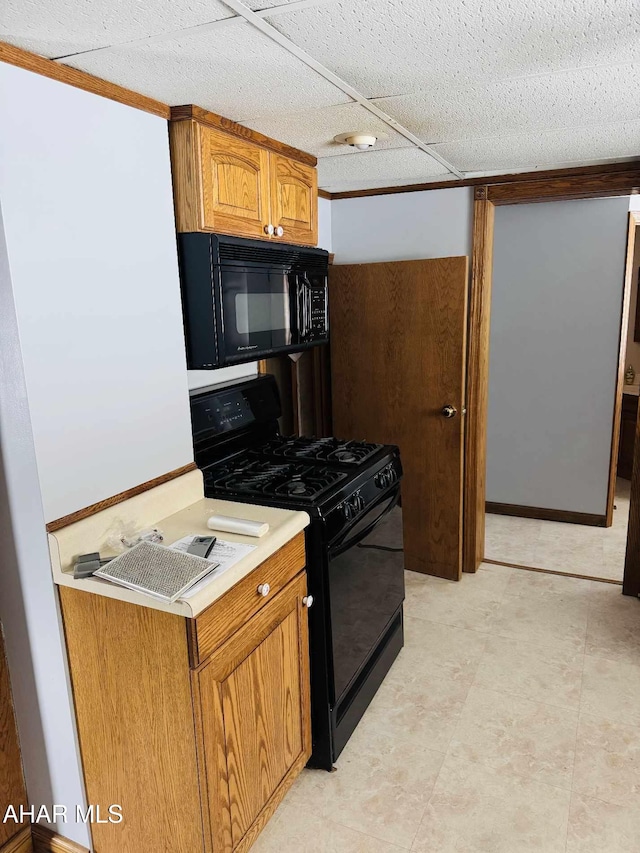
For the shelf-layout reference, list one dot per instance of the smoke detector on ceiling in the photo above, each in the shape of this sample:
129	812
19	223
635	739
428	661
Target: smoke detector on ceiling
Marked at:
357	139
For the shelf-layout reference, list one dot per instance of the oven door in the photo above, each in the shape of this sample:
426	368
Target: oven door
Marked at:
259	312
366	590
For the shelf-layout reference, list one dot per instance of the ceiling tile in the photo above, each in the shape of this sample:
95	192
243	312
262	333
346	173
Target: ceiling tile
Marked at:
548	101
391	166
394	47
205	69
554	148
62	27
313	130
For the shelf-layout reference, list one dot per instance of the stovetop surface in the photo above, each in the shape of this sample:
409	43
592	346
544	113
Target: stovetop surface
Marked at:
332	451
249	473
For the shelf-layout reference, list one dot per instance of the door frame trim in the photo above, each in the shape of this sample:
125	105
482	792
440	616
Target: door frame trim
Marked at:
486	198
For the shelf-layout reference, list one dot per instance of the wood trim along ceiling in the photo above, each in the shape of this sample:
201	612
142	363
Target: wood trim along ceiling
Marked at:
550	571
47	841
576	179
565	516
202	116
20	843
80	79
59	523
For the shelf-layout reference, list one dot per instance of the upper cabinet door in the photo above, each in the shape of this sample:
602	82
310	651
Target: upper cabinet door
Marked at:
235	185
294	200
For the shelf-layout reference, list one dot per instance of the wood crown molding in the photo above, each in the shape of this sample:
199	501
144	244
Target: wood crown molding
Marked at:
566	516
324	194
80	79
576	184
47	841
59	523
190	111
19	843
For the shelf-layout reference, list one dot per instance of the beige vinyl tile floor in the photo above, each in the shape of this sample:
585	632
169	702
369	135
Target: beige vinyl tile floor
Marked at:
510	723
574	548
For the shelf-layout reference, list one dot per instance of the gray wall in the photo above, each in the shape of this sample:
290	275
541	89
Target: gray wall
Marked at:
402	226
555	324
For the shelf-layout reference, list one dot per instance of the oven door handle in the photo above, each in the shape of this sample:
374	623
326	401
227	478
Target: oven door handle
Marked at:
341	547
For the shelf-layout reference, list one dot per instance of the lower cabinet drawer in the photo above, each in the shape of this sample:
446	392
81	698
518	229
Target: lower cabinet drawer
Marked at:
217	623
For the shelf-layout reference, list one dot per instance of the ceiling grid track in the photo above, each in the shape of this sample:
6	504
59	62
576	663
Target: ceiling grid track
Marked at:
271	32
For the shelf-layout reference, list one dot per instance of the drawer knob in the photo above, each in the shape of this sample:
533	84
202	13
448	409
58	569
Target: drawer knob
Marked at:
307	600
279	230
264	589
269	229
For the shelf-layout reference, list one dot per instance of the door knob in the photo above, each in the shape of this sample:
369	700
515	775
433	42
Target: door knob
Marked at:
279	231
269	229
449	411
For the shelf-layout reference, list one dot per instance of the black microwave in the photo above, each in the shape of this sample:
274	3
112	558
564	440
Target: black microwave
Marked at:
245	299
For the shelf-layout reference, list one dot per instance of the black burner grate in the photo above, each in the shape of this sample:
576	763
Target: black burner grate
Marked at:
329	450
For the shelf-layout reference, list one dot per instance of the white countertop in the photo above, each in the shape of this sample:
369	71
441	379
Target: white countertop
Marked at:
283	526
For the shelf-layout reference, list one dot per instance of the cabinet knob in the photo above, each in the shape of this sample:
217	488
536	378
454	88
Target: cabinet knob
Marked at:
264	589
307	600
279	231
269	229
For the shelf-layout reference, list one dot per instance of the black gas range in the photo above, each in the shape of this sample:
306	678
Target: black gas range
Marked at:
347	488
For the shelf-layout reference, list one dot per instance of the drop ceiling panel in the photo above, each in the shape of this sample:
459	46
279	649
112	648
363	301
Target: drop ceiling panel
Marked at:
547	102
391	166
394	48
550	149
66	26
314	130
233	70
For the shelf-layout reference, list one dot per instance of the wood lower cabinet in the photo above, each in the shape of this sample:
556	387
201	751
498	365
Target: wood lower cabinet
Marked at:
199	751
232	180
12	789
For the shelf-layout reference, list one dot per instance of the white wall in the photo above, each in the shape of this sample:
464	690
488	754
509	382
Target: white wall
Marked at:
85	189
402	226
28	603
555	324
86	194
324	224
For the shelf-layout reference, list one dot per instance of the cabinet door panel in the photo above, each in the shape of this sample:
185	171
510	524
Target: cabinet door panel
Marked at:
294	199
255	717
261	707
235	184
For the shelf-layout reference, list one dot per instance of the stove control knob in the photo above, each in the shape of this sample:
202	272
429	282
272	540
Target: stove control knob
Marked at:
379	480
347	510
360	502
264	589
307	601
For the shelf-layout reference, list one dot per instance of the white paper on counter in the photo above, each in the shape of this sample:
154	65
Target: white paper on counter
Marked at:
225	553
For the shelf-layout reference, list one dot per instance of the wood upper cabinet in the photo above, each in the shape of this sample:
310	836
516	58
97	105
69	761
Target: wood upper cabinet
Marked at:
197	727
235	184
233	180
294	199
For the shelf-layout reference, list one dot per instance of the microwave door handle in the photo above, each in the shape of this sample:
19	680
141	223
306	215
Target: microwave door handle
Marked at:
300	310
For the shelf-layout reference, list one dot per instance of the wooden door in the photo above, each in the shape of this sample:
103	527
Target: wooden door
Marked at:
398	352
12	790
255	718
235	185
294	200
